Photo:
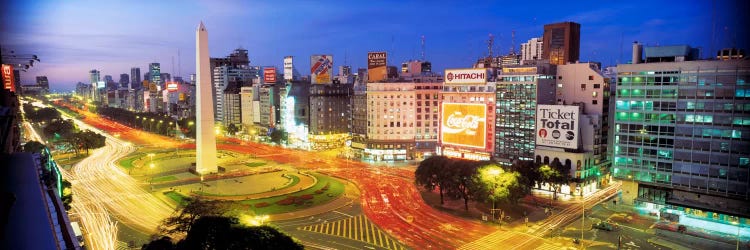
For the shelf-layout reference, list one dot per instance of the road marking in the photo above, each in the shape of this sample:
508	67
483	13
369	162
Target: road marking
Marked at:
357	228
347	215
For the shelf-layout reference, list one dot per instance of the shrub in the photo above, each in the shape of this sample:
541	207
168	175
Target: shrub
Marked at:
306	197
262	204
319	191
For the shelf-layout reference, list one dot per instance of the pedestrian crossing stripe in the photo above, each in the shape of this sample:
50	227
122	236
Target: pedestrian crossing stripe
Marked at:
357	228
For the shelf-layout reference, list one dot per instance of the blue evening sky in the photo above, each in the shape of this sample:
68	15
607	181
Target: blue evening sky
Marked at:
74	36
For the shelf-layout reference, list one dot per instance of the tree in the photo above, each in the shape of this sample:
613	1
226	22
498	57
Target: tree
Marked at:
499	184
278	135
232	129
218	232
529	171
431	173
33	147
183	219
59	129
555	174
67	194
462	182
88	139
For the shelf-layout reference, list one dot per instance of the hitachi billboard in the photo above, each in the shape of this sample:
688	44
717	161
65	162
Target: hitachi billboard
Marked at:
464	124
557	126
465	76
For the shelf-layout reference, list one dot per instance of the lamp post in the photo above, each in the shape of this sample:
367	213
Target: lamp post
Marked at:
150	167
494	173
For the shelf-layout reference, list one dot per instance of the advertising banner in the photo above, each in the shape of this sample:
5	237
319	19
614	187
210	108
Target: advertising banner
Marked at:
376	66
321	67
172	86
464	124
8	78
557	126
288	68
269	75
465	76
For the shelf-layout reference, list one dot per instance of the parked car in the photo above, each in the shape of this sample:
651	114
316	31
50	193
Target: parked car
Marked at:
604	226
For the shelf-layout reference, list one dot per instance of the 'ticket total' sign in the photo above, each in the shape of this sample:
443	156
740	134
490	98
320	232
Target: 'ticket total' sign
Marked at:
557	126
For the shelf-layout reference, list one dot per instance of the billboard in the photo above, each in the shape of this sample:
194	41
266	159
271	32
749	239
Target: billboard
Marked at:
556	126
172	86
269	74
8	78
288	68
376	66
465	76
321	67
101	84
464	124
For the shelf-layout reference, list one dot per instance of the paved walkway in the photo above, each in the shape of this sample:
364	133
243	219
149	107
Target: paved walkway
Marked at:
306	181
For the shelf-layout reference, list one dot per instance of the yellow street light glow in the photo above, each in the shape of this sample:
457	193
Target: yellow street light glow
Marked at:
151	165
494	172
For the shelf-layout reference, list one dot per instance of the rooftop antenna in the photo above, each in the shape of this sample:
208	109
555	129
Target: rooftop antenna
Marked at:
423	48
489	44
513	42
622	36
173	65
179	68
713	26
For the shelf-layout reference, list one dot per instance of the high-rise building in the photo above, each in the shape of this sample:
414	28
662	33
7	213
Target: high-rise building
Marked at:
427	117
465	115
135	78
532	50
581	87
518	91
124	81
42	82
94	81
562	42
205	140
390	121
682	138
154	71
222	76
329	115
232	107
358	102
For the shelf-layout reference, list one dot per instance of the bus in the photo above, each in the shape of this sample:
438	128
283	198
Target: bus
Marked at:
77	231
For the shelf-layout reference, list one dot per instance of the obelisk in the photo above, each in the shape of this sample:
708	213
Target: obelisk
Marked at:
205	140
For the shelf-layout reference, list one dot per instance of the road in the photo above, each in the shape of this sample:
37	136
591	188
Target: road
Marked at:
101	188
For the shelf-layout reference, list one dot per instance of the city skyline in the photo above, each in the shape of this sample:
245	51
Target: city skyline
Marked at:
120	36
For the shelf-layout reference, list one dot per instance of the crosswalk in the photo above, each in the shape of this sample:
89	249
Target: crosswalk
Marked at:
510	240
356	228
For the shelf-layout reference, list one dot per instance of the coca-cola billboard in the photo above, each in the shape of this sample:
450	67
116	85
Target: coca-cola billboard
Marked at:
464	124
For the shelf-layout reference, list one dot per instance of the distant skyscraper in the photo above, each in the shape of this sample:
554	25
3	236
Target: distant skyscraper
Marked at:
94	80
135	78
205	138
124	81
154	70
562	42
42	82
531	50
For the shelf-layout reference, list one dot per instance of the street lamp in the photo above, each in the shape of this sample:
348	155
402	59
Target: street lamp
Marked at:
494	172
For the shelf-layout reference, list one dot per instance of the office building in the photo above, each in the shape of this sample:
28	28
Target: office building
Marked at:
232	108
682	137
222	77
532	50
464	110
518	91
358	102
561	42
135	78
329	115
154	71
581	87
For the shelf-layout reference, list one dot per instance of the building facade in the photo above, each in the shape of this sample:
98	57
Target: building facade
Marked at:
532	50
330	115
462	136
561	42
390	121
518	91
682	138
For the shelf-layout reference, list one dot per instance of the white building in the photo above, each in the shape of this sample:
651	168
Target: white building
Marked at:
531	50
583	85
222	76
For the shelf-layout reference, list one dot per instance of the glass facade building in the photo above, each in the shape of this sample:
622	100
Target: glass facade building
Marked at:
682	134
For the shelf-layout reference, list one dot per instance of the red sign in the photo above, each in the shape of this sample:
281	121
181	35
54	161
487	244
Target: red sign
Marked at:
269	75
9	78
172	86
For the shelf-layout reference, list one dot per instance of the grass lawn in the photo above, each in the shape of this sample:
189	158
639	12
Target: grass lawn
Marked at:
295	180
335	189
164	178
127	163
255	164
175	196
